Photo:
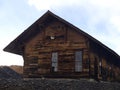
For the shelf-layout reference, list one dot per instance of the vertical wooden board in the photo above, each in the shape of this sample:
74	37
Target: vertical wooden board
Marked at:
104	63
92	60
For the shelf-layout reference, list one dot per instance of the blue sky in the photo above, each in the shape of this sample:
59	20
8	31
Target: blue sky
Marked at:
99	18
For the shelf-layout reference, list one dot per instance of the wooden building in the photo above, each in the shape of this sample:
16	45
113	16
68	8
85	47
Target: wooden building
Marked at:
52	47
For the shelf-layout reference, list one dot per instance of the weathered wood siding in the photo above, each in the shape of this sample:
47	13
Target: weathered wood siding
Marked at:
56	37
102	69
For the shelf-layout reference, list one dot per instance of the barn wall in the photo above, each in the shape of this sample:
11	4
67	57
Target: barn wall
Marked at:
106	70
65	41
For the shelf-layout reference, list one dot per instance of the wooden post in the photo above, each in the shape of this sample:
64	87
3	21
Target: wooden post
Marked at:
88	46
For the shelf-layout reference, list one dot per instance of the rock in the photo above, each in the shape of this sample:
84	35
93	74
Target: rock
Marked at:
56	84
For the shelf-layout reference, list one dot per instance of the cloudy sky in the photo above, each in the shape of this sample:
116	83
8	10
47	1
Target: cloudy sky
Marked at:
99	18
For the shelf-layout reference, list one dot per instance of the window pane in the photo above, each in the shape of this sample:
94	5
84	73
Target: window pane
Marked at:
78	56
54	61
54	57
54	64
78	61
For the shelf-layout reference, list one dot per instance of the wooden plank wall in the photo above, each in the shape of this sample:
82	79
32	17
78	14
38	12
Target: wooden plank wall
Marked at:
37	57
106	70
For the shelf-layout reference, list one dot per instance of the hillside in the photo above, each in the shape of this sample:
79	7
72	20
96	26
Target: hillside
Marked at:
18	69
8	73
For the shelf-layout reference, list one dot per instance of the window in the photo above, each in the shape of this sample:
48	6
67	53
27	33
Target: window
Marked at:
78	61
54	61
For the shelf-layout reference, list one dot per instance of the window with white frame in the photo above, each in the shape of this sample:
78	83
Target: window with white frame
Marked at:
55	61
78	61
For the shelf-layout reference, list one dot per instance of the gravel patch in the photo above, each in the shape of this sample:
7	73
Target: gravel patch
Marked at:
56	84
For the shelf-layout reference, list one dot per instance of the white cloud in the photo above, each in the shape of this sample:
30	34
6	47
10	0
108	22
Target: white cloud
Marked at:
40	4
105	3
107	11
48	4
115	21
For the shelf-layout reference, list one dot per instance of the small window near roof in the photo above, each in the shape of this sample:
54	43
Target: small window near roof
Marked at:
52	37
78	61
